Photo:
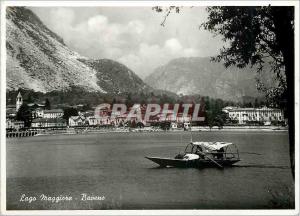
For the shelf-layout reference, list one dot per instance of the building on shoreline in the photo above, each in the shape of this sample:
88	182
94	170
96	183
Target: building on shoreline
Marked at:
11	113
48	122
40	117
76	121
12	124
263	115
53	113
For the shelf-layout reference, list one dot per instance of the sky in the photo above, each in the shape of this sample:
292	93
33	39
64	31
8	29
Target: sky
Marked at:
132	35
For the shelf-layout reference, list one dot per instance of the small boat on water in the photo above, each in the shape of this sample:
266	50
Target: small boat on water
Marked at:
202	154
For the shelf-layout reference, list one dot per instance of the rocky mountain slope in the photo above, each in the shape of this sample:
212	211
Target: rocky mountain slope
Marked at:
38	59
198	75
115	77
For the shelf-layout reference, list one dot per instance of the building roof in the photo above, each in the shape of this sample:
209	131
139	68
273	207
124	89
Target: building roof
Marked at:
19	95
53	111
235	109
35	104
14	121
104	106
18	122
77	118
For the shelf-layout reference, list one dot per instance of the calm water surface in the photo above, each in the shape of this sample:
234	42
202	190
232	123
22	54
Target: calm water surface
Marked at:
113	165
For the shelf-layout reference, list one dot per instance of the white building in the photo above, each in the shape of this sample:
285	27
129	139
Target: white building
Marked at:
93	121
53	113
76	121
13	124
244	115
48	122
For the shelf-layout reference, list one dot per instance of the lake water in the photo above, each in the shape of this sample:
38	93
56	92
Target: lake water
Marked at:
113	166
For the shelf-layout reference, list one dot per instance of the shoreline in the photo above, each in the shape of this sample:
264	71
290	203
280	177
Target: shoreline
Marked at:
73	131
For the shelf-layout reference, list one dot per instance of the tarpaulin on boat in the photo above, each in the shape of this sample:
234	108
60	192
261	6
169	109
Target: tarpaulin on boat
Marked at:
191	157
212	145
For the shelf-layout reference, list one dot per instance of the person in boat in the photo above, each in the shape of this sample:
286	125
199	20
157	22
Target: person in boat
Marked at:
179	156
220	153
199	151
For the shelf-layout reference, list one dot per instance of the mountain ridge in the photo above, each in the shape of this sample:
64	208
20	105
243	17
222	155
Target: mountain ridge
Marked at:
198	75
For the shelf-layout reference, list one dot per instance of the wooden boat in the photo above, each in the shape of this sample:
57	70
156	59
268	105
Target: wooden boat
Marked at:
202	154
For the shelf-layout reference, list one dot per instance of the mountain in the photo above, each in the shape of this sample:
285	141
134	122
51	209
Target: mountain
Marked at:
197	75
38	59
115	77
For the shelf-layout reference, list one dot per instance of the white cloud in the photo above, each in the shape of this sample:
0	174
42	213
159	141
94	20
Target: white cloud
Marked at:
136	26
148	57
97	23
173	45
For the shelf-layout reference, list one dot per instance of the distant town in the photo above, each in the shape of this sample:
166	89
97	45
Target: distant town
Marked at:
40	117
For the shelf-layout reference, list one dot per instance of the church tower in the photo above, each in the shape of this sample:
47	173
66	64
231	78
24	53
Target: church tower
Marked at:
19	101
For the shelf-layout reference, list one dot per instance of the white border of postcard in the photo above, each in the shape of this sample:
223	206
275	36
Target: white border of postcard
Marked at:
5	3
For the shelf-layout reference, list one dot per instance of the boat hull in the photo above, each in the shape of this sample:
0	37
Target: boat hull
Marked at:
197	163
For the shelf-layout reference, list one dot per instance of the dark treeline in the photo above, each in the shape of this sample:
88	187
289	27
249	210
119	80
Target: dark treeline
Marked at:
88	100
